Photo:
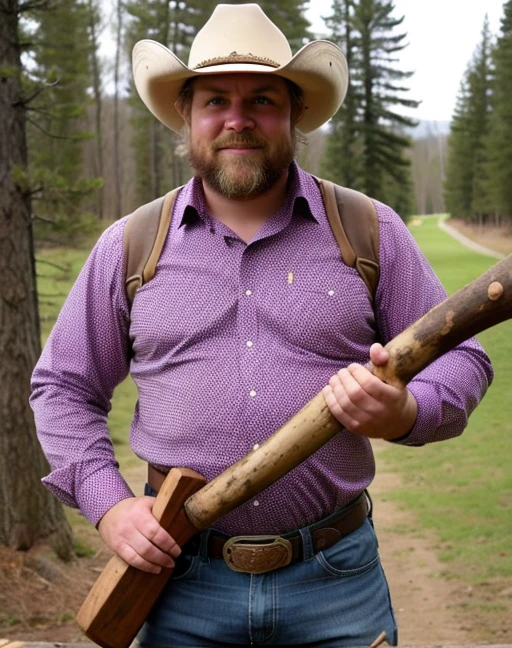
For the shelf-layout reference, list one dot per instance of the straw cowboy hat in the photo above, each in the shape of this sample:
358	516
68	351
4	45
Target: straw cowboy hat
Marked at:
241	38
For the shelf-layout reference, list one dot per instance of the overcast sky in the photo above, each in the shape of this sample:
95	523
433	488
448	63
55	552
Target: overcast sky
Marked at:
442	36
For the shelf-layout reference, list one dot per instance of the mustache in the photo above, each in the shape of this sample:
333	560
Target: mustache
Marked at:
227	141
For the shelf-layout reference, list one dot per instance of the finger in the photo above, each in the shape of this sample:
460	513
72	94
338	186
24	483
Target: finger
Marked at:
159	537
370	385
150	552
354	382
133	558
148	525
337	410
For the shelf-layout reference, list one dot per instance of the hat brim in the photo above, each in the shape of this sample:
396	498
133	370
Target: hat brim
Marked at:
319	69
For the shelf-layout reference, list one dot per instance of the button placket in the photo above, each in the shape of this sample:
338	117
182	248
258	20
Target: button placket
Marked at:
247	329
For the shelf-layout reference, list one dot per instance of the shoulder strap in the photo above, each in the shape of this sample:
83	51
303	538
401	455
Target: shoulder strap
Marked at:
354	223
144	238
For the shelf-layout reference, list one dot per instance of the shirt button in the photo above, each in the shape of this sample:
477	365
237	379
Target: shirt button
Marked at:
252	393
255	446
248	293
256	503
249	343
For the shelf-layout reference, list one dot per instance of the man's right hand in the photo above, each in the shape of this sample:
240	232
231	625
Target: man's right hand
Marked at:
130	529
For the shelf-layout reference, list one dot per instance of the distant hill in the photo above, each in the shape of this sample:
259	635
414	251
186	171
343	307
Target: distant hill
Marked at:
429	128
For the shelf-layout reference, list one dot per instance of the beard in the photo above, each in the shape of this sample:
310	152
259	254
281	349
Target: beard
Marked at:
242	177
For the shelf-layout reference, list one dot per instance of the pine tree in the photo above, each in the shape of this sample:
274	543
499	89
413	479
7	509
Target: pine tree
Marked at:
60	69
466	185
368	146
173	24
499	141
459	173
28	512
342	160
480	81
95	74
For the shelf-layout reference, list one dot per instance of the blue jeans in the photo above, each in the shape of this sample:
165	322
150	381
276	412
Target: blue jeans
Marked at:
338	597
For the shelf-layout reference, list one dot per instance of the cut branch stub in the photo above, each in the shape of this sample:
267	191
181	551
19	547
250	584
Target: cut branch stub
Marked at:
485	302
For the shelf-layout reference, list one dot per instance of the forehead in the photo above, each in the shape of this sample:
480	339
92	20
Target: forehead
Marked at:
240	82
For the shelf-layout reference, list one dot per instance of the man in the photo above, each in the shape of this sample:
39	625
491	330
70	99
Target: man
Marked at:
250	314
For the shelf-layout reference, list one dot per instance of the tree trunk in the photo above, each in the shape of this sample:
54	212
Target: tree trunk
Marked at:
98	99
117	158
27	511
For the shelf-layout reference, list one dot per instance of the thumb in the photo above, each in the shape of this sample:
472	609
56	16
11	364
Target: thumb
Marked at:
378	355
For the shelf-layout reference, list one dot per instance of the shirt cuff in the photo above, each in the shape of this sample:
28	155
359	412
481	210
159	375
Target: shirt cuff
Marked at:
424	429
100	492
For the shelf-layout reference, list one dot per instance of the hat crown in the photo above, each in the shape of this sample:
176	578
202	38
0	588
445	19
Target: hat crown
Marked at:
239	34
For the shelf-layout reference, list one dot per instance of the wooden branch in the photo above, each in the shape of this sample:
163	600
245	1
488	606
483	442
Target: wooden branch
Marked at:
485	302
112	613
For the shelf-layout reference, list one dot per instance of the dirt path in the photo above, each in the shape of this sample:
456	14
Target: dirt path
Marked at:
430	609
423	601
469	243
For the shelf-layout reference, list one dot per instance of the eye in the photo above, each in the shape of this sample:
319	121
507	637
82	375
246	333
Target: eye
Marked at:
262	100
215	101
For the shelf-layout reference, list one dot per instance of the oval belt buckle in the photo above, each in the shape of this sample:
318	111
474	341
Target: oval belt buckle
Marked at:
257	554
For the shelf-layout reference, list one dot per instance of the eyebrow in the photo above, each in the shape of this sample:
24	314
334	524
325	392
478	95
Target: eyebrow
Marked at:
258	90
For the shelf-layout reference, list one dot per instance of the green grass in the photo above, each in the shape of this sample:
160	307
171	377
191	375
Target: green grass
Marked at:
57	269
462	488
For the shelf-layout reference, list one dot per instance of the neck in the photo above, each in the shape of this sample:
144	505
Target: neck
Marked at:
245	217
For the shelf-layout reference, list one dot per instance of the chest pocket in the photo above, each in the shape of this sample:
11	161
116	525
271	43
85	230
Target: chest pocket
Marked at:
328	311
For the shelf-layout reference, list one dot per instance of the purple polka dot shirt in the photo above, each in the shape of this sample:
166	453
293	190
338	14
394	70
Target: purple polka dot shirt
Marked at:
225	344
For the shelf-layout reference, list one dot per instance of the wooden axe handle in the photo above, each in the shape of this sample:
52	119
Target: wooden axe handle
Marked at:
112	613
122	596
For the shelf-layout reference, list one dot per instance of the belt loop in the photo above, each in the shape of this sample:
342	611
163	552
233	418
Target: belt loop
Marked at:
307	543
369	502
203	545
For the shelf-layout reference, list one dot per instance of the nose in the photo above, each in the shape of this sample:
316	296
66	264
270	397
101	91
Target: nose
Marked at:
238	118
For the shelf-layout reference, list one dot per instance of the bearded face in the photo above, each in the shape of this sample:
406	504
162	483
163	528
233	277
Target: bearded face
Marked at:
243	175
241	138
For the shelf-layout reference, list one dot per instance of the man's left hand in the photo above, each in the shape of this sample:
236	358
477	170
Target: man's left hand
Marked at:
365	405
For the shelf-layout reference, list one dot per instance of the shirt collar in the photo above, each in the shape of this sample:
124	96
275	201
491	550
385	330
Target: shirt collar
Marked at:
302	190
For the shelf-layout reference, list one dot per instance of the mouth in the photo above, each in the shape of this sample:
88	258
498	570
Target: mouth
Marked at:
239	150
238	147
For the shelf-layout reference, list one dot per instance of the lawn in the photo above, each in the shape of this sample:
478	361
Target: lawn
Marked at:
57	269
461	489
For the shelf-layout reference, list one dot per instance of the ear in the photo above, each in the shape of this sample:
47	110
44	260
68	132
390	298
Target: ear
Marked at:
299	114
183	104
183	111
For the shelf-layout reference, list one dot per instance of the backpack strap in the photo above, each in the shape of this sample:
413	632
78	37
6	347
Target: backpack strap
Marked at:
144	237
354	223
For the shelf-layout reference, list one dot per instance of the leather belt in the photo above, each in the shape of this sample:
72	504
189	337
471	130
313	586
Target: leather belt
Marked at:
259	554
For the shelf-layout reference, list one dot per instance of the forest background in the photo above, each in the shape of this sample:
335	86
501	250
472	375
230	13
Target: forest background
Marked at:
95	152
78	151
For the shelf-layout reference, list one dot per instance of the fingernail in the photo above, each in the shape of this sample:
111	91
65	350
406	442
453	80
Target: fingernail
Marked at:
175	551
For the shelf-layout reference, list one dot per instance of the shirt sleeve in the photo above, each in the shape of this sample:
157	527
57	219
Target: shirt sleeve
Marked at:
450	388
84	359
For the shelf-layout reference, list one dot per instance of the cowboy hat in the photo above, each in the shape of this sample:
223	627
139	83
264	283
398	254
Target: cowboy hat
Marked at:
241	38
